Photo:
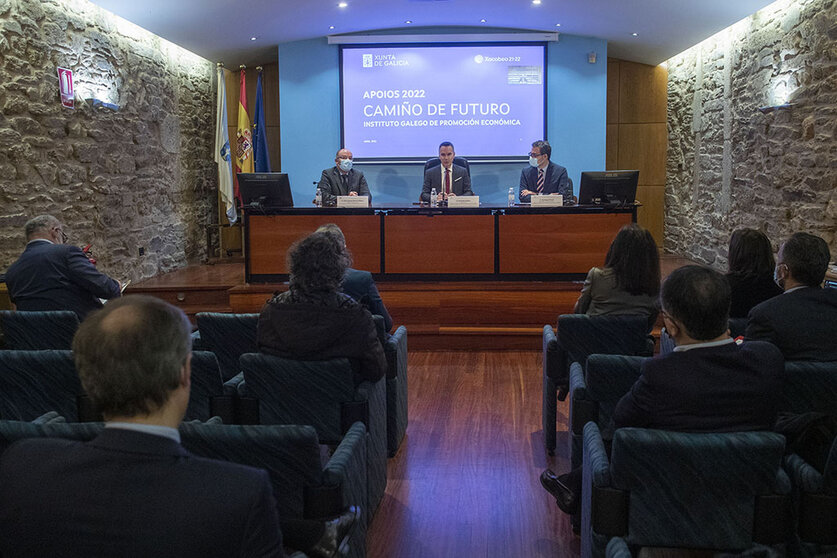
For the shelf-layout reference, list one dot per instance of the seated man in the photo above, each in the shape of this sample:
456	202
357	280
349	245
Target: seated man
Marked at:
342	180
542	176
359	284
448	179
52	275
802	322
313	320
708	384
134	490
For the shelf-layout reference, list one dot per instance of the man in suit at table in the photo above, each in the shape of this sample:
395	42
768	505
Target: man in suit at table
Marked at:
359	284
448	179
342	180
802	321
134	490
542	176
53	275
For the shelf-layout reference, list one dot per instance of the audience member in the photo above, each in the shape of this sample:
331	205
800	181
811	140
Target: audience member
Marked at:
708	384
629	282
52	275
802	322
359	284
313	320
750	271
133	490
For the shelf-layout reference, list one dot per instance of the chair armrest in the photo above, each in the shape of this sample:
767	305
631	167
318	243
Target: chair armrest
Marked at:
596	461
803	475
617	548
395	350
582	408
347	467
234	385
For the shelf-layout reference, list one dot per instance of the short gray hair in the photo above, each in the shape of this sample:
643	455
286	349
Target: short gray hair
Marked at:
129	354
40	223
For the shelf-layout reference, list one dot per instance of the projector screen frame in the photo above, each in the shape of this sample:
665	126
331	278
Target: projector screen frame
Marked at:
543	44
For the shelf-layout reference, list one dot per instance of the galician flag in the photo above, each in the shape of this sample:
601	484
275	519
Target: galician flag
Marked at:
244	147
262	157
222	150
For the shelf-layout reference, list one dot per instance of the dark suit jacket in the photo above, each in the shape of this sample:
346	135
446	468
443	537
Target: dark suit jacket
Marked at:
802	323
128	493
460	182
555	181
57	277
332	185
729	388
360	286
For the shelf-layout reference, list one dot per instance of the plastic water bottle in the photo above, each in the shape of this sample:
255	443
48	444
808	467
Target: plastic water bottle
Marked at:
511	197
433	202
318	198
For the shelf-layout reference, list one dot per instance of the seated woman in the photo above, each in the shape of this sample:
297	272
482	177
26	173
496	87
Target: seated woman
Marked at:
750	271
313	320
629	282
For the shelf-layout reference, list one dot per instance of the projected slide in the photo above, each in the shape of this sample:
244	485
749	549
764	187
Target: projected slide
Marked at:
401	102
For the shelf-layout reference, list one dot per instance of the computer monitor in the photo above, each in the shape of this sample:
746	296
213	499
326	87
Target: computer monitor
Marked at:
264	190
608	187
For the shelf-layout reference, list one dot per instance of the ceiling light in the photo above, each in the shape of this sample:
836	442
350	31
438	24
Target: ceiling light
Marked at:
482	20
408	21
342	5
252	38
557	25
536	2
634	34
330	27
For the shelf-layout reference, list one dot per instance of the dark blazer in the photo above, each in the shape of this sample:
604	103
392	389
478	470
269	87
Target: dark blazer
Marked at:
728	388
802	323
332	185
749	290
460	182
128	493
57	277
360	286
555	182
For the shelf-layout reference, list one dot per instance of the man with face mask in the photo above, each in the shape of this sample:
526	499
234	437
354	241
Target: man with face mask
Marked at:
542	176
54	275
802	321
342	180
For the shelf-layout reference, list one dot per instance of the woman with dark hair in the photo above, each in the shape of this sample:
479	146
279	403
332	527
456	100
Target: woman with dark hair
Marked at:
629	282
750	271
313	320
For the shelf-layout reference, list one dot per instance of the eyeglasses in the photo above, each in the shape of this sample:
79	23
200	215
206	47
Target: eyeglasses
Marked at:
64	236
533	154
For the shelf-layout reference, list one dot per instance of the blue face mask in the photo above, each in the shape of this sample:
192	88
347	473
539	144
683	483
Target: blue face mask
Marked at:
533	161
345	165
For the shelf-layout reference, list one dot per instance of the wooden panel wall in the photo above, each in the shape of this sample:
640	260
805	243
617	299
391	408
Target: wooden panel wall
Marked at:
637	134
231	238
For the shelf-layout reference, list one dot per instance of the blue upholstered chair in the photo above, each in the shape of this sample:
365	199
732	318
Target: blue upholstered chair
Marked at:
321	394
35	382
207	397
595	389
395	348
34	331
578	336
809	386
228	336
304	487
817	499
670	489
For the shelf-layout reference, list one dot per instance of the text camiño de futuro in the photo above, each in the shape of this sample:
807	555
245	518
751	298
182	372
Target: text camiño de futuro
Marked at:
437	114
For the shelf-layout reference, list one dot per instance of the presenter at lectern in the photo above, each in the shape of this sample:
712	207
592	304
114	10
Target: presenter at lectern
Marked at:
448	179
542	176
342	180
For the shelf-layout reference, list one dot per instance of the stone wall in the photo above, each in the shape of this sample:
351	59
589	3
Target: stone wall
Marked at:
137	177
731	165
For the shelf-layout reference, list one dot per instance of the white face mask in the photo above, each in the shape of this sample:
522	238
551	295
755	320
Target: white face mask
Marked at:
533	161
345	165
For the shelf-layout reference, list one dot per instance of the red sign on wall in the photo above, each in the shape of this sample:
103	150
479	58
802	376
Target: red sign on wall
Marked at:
65	85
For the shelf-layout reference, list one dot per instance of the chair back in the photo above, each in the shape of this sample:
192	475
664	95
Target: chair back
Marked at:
228	336
699	490
809	386
41	330
36	382
458	161
206	389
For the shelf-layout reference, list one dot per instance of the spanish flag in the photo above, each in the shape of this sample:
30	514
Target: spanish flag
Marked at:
244	145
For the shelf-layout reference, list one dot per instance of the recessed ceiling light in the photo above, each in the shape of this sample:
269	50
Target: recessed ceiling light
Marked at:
252	38
634	34
408	21
536	2
482	20
330	27
557	25
342	5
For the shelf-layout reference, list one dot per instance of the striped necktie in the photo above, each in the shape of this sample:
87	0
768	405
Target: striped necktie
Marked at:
540	180
447	181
